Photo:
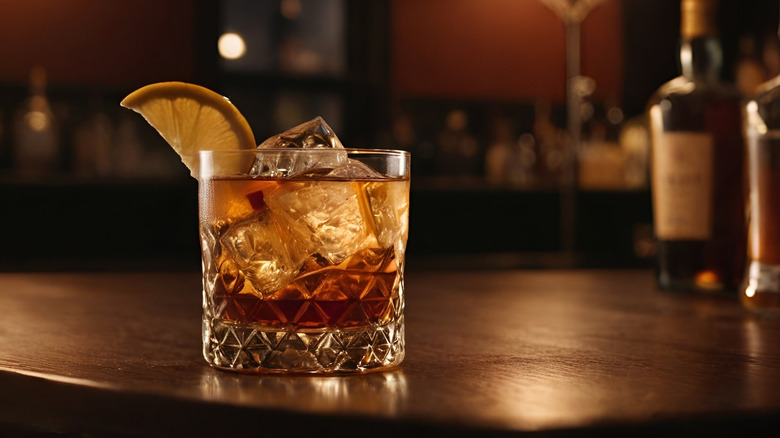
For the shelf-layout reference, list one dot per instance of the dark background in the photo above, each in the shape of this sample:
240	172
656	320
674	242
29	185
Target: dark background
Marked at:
399	58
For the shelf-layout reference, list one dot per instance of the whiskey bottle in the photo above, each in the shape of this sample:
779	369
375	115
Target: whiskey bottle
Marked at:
697	171
761	291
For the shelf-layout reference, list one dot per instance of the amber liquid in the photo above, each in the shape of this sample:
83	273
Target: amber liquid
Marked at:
359	291
764	161
717	262
353	294
764	229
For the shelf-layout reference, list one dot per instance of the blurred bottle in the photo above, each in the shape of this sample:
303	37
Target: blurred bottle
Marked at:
634	139
128	155
499	152
92	143
750	71
36	141
457	151
510	160
602	161
770	56
697	165
3	144
522	162
550	141
762	131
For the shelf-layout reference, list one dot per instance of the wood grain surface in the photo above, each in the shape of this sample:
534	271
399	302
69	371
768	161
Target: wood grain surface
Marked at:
547	352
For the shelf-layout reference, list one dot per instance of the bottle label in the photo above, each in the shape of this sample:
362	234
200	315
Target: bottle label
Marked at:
682	185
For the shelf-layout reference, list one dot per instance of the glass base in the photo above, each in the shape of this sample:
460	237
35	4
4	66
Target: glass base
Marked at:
246	348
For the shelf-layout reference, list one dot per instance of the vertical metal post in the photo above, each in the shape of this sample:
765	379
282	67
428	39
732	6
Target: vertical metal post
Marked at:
574	126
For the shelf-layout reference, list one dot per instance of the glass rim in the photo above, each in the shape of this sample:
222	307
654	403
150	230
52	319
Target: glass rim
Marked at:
353	151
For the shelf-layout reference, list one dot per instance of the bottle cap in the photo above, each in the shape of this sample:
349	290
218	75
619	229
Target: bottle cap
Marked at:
699	18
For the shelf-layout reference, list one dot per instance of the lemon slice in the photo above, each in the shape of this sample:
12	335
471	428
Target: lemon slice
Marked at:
191	119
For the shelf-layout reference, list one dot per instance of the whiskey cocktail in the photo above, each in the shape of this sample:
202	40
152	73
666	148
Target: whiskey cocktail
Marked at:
303	241
303	256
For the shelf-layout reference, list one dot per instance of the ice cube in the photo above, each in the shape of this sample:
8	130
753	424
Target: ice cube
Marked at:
389	206
293	163
325	215
353	169
313	134
264	250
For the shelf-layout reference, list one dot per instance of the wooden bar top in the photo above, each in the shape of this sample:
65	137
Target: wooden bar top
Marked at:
504	352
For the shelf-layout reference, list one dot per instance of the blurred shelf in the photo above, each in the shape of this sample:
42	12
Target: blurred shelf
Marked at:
69	223
451	218
62	223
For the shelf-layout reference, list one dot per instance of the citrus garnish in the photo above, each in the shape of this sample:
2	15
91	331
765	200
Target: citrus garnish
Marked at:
191	118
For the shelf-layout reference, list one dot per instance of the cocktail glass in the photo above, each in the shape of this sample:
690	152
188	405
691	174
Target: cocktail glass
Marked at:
303	258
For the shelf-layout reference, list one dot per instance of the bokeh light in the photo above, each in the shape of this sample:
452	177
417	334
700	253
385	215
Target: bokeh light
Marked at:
231	45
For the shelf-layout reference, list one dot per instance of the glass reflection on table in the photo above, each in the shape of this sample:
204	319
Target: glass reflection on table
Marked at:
378	394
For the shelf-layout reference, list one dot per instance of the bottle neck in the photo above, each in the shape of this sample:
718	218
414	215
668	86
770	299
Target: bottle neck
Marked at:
701	58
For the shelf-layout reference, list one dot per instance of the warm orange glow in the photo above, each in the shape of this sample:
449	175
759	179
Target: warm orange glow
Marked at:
37	121
291	9
502	49
97	42
707	279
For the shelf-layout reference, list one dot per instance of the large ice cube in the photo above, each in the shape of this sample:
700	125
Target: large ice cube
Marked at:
383	203
316	137
293	163
313	134
353	169
389	205
325	215
264	250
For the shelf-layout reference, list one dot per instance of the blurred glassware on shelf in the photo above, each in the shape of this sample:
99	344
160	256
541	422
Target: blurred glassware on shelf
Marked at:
635	141
750	70
550	145
36	135
457	150
128	149
510	160
4	150
92	145
602	166
770	55
522	172
614	154
497	156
